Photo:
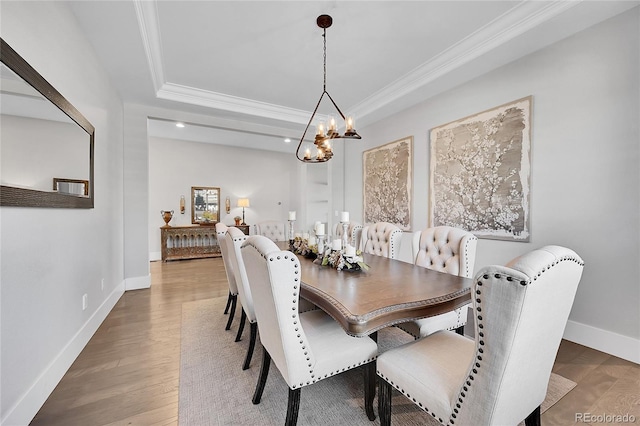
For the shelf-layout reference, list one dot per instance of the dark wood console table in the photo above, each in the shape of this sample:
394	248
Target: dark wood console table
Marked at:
189	242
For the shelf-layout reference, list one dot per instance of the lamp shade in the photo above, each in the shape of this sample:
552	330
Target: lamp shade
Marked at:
243	202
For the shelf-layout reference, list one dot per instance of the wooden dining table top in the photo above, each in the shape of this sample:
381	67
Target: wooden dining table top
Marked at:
389	292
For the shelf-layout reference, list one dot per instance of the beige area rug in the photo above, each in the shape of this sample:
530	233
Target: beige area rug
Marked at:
214	390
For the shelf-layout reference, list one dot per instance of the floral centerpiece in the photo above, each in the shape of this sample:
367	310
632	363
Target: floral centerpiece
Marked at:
340	260
302	247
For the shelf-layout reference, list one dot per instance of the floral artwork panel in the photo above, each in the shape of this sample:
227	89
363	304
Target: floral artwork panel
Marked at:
387	183
480	173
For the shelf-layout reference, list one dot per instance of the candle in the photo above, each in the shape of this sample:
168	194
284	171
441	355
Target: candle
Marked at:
332	124
312	240
349	124
344	217
307	154
320	229
336	244
350	250
315	226
320	129
292	215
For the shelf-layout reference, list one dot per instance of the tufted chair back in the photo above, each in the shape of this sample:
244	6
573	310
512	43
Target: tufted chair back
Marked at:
272	229
354	233
445	249
381	239
520	311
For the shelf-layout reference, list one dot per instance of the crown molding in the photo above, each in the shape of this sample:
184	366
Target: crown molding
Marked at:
513	23
147	15
221	101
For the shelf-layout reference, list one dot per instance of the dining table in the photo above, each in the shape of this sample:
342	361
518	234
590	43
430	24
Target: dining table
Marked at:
388	292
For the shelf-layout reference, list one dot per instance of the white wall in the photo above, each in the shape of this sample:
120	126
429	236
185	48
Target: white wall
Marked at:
51	257
267	178
585	180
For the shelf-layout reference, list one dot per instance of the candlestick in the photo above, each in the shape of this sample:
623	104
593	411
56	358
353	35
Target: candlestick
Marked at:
291	222
320	245
345	225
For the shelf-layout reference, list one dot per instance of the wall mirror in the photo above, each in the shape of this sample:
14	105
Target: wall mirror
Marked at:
205	204
45	139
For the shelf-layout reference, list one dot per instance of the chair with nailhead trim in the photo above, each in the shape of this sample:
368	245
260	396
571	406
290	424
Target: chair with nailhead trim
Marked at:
272	229
233	240
221	231
501	378
444	249
305	347
381	239
354	233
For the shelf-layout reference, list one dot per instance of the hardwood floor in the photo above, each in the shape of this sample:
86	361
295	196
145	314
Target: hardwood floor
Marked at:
129	371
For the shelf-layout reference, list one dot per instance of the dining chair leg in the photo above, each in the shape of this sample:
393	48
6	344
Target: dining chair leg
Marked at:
243	319
262	380
460	330
252	343
384	402
293	405
369	388
374	336
232	312
226	308
533	419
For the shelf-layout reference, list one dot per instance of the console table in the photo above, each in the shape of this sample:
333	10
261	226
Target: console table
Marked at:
189	242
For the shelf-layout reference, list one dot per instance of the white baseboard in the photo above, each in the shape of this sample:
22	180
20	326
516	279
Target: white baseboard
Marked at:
602	340
155	255
137	283
28	405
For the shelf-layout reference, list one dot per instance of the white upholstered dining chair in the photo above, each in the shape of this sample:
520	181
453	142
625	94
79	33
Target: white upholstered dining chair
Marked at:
354	233
501	378
272	229
381	239
221	231
443	249
233	241
305	347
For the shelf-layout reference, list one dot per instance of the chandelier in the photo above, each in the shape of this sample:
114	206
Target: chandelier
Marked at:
325	133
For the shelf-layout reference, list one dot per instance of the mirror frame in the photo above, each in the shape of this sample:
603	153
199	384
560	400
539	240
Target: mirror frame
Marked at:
24	197
193	204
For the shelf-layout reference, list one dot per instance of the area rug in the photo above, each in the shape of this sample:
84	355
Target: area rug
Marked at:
214	390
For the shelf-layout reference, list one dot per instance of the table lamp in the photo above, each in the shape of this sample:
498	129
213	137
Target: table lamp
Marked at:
243	202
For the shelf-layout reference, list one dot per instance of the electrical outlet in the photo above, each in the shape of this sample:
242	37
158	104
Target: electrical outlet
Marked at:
102	284
84	301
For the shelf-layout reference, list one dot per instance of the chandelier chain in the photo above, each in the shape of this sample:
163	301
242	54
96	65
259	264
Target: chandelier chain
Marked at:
324	59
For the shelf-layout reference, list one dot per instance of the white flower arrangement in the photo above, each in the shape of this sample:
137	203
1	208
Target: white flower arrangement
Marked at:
339	260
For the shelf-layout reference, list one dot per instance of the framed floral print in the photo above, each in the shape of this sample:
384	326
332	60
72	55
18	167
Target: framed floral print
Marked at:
480	172
387	183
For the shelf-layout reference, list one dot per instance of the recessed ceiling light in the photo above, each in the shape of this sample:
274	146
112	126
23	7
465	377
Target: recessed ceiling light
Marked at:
287	140
181	125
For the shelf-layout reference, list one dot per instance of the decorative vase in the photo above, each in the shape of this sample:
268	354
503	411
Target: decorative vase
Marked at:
237	221
167	216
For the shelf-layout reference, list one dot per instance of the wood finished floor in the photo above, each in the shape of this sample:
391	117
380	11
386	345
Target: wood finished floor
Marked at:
129	371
